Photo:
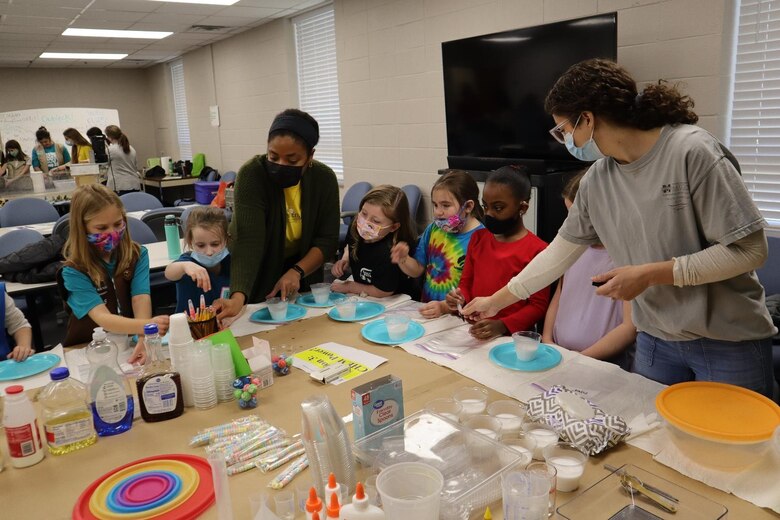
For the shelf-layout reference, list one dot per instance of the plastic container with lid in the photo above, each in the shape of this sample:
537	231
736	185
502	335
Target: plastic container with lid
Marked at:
110	396
705	418
67	419
25	446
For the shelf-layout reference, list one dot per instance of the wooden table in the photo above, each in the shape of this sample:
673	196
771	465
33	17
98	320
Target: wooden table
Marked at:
50	488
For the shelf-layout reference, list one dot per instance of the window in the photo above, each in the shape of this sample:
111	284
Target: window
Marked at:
180	107
318	86
755	110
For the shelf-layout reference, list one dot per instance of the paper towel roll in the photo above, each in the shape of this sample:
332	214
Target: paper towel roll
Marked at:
37	180
166	164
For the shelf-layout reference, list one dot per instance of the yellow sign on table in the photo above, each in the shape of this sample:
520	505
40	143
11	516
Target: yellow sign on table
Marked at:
327	354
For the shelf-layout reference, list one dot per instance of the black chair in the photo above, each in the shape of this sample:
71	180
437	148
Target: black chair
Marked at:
155	219
61	228
350	205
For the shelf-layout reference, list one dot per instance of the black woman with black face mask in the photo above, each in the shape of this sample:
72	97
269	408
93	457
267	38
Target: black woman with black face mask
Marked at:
286	217
498	253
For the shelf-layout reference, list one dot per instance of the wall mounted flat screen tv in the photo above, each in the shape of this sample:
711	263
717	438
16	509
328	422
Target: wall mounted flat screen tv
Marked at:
495	85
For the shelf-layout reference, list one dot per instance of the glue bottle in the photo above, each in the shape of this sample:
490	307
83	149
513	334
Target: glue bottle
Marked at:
313	505
67	421
333	506
21	428
333	488
360	509
110	396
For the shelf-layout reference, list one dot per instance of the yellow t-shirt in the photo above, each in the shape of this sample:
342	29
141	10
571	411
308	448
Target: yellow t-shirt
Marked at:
292	232
83	153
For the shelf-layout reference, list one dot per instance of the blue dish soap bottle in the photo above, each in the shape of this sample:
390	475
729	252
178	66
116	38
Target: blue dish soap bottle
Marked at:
110	396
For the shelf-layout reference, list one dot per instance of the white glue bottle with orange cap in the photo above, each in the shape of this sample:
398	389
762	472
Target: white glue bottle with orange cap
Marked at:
313	505
360	509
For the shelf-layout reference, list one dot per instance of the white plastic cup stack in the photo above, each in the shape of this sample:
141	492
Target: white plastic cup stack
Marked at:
224	371
180	345
204	391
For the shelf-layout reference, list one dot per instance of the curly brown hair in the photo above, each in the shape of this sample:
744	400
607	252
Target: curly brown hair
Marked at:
608	90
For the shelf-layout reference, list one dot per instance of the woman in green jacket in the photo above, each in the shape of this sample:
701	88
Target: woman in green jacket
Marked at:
286	217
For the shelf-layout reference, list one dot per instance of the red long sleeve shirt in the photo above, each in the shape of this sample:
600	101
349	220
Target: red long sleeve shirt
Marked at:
490	264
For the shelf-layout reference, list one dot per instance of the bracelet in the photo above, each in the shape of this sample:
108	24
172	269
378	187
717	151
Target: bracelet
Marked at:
298	269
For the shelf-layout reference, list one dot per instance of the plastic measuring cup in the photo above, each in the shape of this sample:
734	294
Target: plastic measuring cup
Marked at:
410	490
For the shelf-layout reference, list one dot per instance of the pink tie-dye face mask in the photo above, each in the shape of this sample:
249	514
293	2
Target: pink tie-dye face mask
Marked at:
106	241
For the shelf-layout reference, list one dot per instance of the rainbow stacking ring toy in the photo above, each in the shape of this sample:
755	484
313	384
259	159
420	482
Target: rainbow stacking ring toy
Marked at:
166	487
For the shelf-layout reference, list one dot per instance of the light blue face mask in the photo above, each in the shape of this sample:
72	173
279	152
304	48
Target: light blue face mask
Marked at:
209	261
587	152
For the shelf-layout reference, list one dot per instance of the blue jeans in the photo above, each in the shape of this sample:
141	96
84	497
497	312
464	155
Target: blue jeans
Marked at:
743	363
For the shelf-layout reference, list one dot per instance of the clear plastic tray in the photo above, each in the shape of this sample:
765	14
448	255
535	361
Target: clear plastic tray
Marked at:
607	499
471	463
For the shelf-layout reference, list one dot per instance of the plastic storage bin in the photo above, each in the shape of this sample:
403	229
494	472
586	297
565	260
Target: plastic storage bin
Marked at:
205	191
471	463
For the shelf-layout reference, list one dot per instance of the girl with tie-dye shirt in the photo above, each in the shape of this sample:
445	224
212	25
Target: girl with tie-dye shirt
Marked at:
441	251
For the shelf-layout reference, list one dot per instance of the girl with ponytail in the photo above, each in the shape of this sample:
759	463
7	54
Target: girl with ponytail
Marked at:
666	200
123	174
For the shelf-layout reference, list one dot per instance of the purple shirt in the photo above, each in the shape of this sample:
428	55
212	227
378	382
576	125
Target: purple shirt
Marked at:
584	317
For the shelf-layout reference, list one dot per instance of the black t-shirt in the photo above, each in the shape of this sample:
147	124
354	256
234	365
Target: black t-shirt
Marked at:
373	265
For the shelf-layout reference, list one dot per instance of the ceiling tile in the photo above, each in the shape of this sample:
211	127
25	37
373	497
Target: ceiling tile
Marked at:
249	12
107	15
139	6
188	9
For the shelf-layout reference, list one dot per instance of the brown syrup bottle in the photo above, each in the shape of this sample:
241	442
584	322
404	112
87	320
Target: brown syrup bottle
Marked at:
159	388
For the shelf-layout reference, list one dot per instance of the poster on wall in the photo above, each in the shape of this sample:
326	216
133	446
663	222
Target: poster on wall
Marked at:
21	125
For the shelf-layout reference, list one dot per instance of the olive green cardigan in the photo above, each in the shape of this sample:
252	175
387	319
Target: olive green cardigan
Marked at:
257	231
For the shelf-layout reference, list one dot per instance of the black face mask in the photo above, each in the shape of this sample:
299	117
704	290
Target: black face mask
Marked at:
284	175
501	227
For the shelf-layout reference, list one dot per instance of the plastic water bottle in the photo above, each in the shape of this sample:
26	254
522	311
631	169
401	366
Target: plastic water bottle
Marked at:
67	420
110	396
172	237
21	428
159	388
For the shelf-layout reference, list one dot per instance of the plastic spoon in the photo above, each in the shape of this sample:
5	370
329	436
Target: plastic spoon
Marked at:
633	485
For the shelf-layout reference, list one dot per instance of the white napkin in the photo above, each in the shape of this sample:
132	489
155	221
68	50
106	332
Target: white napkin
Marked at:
643	423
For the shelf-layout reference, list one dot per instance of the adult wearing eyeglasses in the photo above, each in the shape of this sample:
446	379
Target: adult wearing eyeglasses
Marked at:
673	212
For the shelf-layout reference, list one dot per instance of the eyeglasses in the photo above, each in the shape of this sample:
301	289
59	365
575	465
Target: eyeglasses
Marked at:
558	133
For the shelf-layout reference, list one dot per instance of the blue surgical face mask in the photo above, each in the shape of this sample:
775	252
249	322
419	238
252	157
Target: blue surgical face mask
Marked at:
588	151
209	261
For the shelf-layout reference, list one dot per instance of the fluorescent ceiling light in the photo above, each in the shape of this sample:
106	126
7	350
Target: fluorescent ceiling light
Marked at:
210	2
81	56
110	33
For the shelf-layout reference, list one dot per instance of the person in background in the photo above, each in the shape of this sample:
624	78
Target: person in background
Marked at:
383	220
673	212
205	268
48	156
286	218
441	250
123	176
15	167
17	326
80	148
578	318
499	252
104	281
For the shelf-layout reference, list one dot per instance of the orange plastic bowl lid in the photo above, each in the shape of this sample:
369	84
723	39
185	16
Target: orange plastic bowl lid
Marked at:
719	412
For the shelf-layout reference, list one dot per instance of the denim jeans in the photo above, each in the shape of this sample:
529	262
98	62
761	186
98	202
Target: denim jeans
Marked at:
743	363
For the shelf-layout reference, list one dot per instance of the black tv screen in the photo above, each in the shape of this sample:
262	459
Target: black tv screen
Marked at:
495	85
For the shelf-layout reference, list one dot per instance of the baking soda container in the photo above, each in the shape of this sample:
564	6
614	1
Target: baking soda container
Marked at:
159	387
110	396
67	419
25	446
360	508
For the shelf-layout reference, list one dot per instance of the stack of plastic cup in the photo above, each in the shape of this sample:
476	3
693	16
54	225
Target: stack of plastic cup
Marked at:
204	392
180	344
224	371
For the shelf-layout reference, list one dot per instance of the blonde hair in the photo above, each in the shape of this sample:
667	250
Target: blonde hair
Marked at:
209	218
86	202
395	206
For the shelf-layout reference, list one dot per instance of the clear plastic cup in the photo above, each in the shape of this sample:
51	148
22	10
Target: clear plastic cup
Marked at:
321	293
446	407
278	308
397	326
569	463
526	344
525	495
347	308
472	399
510	413
284	501
523	444
410	490
486	425
551	474
543	434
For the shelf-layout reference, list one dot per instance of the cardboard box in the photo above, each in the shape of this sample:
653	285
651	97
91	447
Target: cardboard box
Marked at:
377	404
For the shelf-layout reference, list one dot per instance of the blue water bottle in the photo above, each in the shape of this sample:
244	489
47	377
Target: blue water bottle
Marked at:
172	237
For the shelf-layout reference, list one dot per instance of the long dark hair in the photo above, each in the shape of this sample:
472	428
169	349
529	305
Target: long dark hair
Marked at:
12	144
608	90
463	187
78	140
395	206
116	133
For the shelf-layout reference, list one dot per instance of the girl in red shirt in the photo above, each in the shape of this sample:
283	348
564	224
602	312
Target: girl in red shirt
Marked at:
499	252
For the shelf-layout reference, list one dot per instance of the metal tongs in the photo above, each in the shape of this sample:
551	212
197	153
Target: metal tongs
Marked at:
633	485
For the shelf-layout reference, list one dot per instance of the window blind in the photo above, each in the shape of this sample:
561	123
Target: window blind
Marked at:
180	108
755	111
318	85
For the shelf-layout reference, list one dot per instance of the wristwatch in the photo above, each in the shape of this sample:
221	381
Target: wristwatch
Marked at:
298	269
